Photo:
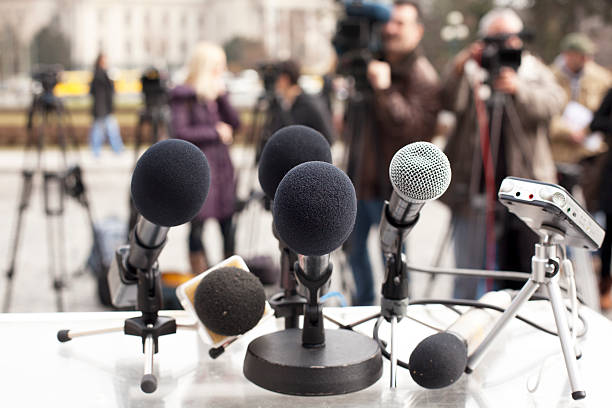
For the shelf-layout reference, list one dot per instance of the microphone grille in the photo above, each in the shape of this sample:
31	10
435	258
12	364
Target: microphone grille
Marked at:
420	172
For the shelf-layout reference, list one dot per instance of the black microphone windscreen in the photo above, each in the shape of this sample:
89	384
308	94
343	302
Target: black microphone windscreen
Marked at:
288	147
229	301
315	208
438	361
170	182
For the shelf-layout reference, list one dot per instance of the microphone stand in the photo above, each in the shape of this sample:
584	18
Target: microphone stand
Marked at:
395	290
288	304
149	326
312	360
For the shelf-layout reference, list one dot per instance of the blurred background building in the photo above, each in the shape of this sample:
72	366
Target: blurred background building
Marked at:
135	34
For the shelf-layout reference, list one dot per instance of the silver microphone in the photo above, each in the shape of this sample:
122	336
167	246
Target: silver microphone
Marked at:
419	172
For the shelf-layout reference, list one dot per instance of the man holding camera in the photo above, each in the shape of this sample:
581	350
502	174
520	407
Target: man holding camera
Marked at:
502	114
403	109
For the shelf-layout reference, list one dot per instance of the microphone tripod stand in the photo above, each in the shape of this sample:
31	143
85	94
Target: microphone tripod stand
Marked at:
312	360
47	110
545	265
149	326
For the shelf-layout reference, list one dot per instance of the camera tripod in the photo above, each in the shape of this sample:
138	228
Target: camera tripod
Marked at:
46	109
488	148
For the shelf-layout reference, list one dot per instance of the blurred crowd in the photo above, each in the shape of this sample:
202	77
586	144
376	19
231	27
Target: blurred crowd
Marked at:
513	116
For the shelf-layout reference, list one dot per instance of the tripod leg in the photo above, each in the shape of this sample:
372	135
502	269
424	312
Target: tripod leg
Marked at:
26	194
441	251
558	308
67	335
526	292
148	383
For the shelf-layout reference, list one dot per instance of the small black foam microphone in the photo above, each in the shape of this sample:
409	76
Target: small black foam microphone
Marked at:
440	359
229	301
169	186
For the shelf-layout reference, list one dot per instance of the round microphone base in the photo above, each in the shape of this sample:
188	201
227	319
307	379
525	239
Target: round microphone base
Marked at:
278	362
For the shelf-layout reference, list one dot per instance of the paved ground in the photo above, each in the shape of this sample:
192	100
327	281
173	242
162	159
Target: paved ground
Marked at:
107	180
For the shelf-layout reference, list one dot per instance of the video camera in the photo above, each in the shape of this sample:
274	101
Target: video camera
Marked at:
47	76
358	37
497	55
269	73
154	88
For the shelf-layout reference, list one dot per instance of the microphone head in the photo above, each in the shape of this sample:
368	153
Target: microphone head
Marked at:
229	301
420	172
170	182
438	361
288	147
315	208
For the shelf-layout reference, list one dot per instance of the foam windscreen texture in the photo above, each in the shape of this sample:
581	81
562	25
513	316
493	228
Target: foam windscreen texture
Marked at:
438	361
170	182
315	208
229	301
288	147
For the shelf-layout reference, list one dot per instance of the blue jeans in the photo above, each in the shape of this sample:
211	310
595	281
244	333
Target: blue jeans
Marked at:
368	214
107	125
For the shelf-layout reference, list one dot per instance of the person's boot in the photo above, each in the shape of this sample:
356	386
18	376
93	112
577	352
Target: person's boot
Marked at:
198	263
605	287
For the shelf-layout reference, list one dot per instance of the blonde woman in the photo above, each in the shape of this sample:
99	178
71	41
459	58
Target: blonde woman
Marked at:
202	115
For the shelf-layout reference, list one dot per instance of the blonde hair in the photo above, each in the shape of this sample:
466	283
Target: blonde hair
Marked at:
206	63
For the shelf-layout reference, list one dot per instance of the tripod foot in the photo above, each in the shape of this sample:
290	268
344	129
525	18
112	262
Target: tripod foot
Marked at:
148	383
63	336
578	395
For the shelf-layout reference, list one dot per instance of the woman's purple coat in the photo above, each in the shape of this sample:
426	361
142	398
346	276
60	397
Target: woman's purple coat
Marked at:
195	122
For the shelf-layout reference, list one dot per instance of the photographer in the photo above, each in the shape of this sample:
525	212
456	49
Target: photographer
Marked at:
403	106
299	107
509	137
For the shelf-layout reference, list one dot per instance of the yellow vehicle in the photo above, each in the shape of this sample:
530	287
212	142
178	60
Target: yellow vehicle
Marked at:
76	83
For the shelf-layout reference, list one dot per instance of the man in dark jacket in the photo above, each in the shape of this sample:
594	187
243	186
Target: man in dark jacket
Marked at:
299	107
402	108
102	90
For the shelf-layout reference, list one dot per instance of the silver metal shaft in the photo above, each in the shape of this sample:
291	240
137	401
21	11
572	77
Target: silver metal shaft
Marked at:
149	352
523	296
81	333
565	338
393	356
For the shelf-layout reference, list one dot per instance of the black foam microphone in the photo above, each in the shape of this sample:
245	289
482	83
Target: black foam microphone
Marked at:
440	359
169	186
287	148
314	213
229	301
315	208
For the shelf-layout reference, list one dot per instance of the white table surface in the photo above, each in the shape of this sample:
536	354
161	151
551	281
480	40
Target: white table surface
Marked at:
105	370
